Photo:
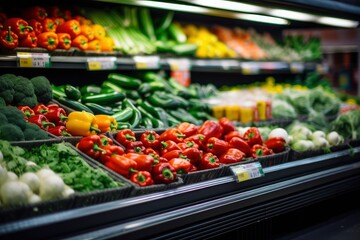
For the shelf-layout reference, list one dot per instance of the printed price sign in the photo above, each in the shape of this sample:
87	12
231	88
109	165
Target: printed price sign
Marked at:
250	68
147	62
296	67
243	172
180	70
101	63
33	60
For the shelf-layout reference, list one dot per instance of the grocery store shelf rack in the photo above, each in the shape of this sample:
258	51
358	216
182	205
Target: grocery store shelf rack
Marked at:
158	62
203	209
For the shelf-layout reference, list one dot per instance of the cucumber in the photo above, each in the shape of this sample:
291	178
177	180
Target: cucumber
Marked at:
98	109
75	105
176	33
124	81
108	84
185	49
72	92
57	92
104	98
123	115
90	89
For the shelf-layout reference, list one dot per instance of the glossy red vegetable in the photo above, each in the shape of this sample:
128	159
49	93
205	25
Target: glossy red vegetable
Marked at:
193	154
217	146
232	155
180	165
167	146
187	128
37	12
125	136
164	173
240	144
56	115
173	154
150	139
91	146
232	134
27	111
142	178
227	125
64	41
172	134
258	150
49	25
110	150
19	26
8	39
135	147
41	109
209	161
105	140
211	128
30	41
60	131
276	144
41	120
71	27
144	162
252	136
122	165
198	139
48	40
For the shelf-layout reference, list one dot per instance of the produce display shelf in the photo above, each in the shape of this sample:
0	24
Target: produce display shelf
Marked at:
167	63
202	209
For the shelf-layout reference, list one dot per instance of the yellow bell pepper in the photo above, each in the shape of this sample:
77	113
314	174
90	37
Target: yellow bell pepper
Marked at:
106	123
82	124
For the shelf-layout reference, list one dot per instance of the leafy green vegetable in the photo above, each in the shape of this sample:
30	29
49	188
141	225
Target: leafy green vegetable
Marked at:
347	124
282	109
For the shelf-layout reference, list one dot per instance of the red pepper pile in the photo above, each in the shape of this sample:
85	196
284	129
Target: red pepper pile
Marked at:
155	158
51	28
50	117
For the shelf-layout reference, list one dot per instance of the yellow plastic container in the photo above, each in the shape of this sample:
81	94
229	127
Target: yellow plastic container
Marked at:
218	111
261	105
232	112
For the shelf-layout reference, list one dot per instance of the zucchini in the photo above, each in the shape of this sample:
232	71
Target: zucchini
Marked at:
72	92
104	98
75	105
108	84
185	49
90	89
57	92
136	118
124	81
123	115
98	109
146	122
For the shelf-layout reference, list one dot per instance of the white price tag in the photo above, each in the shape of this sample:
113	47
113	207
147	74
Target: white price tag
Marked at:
147	62
249	68
101	63
243	172
297	67
33	60
179	64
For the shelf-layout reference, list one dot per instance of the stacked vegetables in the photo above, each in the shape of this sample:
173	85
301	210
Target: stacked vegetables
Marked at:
52	29
151	157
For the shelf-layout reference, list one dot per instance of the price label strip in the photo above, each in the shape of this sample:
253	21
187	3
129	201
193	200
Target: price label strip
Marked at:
250	68
244	172
33	60
101	63
297	67
147	62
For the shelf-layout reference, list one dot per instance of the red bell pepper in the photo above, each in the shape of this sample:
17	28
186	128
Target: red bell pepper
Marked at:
52	105
153	153
252	136
240	144
209	161
27	111
48	40
187	128
187	144
217	146
19	26
135	147
211	128
173	154
150	139
59	21
9	39
167	146
71	27
41	109
164	173
110	150
142	178
180	165
30	41
227	125
193	154
37	12
41	120
64	41
122	165
276	144
125	136
258	150
56	115
232	155
232	134
144	162
36	25
198	139
60	131
172	134
49	25
105	140
91	146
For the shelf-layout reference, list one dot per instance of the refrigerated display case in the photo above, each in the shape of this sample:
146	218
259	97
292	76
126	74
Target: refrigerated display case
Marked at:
208	208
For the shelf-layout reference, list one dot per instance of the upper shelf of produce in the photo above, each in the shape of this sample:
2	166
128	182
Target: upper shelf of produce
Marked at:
154	35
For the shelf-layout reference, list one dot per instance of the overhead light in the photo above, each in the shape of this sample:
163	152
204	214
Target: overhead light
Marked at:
338	22
228	5
262	18
299	16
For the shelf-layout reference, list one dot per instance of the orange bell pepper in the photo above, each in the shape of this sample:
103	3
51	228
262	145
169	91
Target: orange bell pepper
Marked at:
87	31
94	45
106	123
80	42
49	25
48	40
71	27
107	44
64	41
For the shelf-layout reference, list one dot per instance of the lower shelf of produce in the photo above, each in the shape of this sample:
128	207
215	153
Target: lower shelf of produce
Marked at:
205	209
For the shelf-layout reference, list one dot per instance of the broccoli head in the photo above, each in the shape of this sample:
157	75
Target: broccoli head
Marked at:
34	132
28	101
2	102
23	89
3	119
7	87
11	132
14	116
42	88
